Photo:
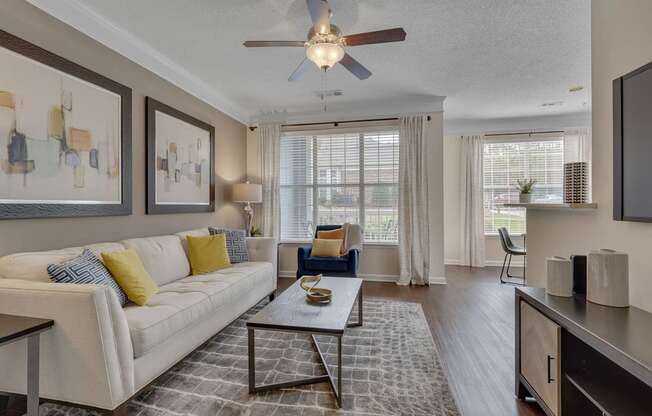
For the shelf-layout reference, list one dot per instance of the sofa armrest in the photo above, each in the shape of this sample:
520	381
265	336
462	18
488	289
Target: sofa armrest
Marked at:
86	358
263	249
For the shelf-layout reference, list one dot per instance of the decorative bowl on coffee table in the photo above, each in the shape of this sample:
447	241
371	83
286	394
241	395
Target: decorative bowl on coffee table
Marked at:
315	294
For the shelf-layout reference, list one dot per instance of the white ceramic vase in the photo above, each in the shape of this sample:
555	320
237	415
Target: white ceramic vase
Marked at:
560	277
607	278
524	198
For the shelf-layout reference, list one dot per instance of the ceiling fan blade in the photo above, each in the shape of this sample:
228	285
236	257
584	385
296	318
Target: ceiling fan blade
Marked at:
355	67
380	36
301	69
268	43
320	13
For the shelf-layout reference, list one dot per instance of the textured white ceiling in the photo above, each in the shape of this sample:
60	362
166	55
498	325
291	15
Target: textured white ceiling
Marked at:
491	58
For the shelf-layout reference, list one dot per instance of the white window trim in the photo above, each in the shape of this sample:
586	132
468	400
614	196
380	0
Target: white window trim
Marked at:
508	137
362	130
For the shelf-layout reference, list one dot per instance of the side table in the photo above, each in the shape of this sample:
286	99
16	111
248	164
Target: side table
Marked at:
14	328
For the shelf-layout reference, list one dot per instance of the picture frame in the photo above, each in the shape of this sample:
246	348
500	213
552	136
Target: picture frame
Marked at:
180	161
65	137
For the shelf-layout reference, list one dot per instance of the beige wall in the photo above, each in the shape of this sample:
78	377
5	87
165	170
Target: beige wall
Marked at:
621	42
25	21
381	262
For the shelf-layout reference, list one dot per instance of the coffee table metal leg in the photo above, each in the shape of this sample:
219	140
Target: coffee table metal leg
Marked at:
252	360
252	371
339	371
360	302
33	348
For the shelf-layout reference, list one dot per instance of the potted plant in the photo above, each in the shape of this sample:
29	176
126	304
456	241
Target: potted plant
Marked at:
525	187
255	231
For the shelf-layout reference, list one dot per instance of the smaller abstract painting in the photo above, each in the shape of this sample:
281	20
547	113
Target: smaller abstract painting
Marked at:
180	157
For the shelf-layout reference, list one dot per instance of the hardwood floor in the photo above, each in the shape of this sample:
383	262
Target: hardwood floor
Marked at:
472	321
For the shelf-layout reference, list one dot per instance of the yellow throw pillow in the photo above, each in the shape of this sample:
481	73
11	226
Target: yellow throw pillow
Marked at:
208	254
337	234
325	248
127	269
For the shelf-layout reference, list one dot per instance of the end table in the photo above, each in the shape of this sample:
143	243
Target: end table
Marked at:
14	328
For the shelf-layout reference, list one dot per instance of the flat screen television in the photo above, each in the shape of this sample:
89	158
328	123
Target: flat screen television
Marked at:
632	96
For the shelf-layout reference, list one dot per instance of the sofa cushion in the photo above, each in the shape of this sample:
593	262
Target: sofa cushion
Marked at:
326	247
207	254
85	269
336	234
166	313
34	266
163	257
236	243
128	270
189	300
327	264
183	235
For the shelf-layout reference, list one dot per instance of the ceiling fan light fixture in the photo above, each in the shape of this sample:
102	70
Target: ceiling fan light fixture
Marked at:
326	53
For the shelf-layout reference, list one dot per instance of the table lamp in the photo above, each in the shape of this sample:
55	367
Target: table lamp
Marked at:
248	193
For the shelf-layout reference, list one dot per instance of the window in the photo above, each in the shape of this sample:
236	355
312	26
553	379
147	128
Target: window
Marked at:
337	178
507	159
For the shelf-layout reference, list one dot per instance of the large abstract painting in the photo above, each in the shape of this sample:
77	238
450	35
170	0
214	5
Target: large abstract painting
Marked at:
64	137
180	155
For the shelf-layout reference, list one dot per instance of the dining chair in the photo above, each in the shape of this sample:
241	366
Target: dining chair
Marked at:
511	250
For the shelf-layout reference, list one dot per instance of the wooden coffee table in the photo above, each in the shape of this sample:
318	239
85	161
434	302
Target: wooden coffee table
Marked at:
291	312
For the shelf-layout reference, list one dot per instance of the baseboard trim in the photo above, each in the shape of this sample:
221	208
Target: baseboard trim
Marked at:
383	278
487	263
438	280
499	263
387	278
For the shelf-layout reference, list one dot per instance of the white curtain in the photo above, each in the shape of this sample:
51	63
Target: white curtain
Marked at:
414	221
472	244
269	151
578	147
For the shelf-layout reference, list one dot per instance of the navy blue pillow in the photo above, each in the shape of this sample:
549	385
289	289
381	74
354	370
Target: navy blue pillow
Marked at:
236	243
85	269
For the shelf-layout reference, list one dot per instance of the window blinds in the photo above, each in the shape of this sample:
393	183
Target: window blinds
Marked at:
507	159
340	177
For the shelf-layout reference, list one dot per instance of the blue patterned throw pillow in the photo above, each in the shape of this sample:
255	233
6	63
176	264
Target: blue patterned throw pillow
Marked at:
236	243
85	269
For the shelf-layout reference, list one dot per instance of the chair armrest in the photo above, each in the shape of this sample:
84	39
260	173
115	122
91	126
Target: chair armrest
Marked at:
353	257
86	358
303	252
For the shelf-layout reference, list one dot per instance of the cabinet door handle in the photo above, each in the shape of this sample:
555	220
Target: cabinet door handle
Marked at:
550	379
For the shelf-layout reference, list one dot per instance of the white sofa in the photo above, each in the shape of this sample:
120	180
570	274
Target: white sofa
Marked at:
99	354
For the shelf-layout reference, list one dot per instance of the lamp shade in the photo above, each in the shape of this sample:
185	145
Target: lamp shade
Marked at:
248	192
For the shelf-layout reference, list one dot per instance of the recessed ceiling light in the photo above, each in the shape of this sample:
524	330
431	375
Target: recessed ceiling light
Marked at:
576	88
552	104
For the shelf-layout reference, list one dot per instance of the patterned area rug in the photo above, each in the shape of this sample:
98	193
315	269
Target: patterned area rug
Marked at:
391	367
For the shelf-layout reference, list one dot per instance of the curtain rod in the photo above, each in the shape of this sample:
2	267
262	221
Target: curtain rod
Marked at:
336	123
529	133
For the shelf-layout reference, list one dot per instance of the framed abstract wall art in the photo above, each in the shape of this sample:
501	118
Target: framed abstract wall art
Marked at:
180	161
65	137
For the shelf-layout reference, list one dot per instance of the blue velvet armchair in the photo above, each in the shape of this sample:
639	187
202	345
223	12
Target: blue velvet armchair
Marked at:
343	266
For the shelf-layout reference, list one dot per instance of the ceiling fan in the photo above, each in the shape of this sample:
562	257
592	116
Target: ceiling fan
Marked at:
326	46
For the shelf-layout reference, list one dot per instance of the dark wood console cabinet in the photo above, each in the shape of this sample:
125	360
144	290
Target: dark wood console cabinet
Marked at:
578	358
